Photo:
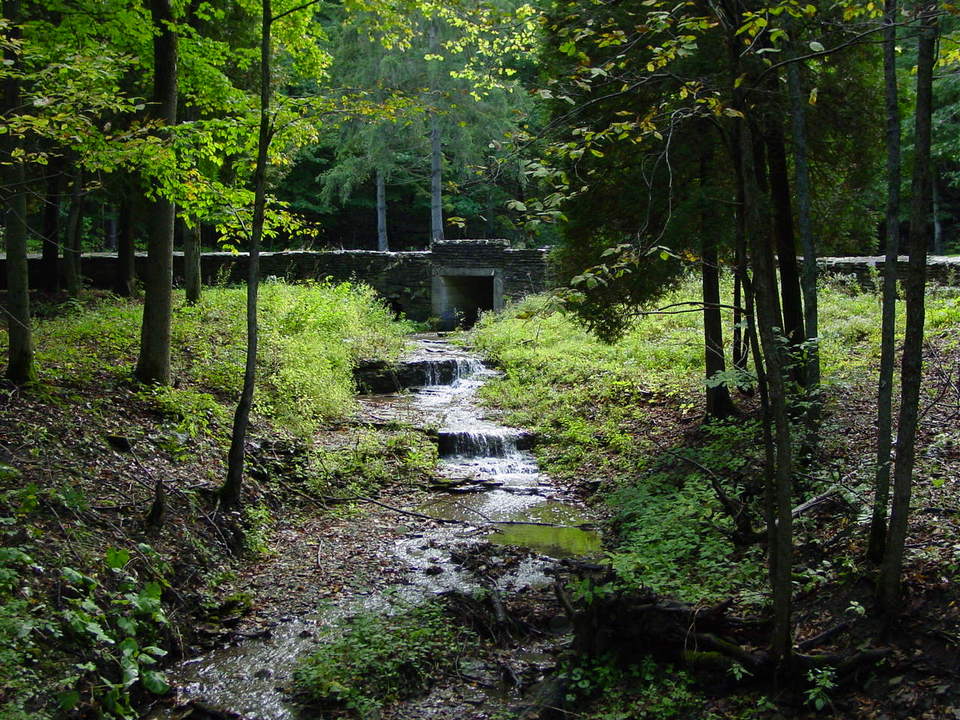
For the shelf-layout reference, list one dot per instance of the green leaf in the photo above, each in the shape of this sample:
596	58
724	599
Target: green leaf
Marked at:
68	700
154	682
116	558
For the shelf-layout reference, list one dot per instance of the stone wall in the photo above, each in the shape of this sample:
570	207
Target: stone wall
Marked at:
404	279
941	269
407	279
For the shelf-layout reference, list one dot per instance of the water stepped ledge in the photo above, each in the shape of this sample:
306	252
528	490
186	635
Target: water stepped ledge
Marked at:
378	377
472	444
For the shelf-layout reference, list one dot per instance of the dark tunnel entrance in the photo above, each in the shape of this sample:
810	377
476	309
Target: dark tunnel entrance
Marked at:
460	295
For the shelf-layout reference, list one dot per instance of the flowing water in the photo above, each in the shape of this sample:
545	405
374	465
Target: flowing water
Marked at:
494	489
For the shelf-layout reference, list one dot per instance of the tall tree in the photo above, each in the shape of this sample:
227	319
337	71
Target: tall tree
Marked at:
911	368
153	364
20	362
881	493
231	489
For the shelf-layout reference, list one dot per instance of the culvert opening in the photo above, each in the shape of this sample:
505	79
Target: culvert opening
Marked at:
466	296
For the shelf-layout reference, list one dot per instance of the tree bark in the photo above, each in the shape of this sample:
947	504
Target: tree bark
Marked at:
153	365
73	242
436	155
878	522
50	260
231	489
792	306
126	277
809	277
911	367
20	361
191	262
718	403
767	318
382	243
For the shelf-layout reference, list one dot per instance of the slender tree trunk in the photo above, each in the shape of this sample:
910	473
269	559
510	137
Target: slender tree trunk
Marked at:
50	261
938	248
809	276
126	276
230	491
436	180
768	316
718	403
436	154
20	363
153	365
878	523
382	243
191	262
912	364
741	339
784	236
73	242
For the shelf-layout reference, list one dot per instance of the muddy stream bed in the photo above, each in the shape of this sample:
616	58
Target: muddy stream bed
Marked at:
514	526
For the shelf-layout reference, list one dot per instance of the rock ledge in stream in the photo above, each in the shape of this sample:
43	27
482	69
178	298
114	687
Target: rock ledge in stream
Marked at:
378	377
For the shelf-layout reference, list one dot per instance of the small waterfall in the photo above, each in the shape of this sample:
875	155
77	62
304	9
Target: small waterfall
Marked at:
474	444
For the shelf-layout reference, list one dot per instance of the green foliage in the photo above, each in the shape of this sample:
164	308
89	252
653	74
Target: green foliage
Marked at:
116	625
111	625
375	458
312	335
640	692
22	622
257	522
375	659
822	682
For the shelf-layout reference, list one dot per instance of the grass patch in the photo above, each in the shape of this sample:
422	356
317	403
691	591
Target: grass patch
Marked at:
311	336
375	659
625	412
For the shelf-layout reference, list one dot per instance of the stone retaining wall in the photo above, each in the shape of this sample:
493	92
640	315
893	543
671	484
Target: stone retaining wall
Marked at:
404	279
407	279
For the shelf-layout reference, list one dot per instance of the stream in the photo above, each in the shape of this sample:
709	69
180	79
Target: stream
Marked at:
489	482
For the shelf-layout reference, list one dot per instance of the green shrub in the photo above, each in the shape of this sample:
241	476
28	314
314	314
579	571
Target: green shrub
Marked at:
373	659
311	337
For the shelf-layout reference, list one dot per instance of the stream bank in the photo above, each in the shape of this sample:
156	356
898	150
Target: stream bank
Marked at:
490	524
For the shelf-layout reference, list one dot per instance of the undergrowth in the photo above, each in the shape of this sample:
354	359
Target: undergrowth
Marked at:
311	336
629	415
374	659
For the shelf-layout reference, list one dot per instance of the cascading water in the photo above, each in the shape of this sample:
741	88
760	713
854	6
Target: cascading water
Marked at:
511	500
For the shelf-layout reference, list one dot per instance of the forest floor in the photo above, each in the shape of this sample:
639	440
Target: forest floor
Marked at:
80	459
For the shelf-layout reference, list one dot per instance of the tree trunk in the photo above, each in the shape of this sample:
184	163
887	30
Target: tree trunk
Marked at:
809	278
938	248
382	243
878	523
741	339
436	155
912	363
230	491
153	365
126	277
20	364
191	262
73	242
50	261
766	300
718	403
436	180
792	305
